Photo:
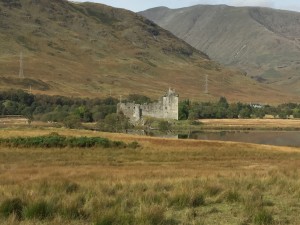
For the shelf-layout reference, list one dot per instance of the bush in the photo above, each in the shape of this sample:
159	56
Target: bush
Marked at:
55	140
12	206
114	123
164	126
72	122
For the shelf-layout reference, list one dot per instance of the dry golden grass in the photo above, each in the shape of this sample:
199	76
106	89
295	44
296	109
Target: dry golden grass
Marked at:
164	182
252	123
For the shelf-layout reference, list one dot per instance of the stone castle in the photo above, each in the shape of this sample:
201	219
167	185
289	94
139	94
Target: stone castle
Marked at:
165	108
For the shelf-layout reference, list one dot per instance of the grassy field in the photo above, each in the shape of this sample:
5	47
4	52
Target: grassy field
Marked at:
257	124
162	182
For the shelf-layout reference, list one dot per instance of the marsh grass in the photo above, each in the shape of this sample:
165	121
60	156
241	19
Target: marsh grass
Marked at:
13	206
164	182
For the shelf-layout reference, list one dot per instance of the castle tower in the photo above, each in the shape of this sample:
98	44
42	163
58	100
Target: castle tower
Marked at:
170	105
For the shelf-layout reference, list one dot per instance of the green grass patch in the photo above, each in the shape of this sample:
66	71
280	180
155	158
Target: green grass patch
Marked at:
263	217
55	140
12	206
39	210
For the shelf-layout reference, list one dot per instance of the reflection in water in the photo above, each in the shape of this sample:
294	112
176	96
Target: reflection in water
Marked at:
280	138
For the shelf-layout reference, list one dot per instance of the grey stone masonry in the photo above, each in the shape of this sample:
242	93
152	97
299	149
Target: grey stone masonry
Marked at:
165	108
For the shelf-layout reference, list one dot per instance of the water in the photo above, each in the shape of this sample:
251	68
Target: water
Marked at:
280	138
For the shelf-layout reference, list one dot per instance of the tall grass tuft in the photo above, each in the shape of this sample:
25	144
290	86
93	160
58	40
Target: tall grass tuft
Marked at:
71	187
115	217
183	200
12	206
263	217
39	210
233	196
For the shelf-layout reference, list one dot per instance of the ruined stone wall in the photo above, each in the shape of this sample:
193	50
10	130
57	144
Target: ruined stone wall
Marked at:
165	108
130	110
153	110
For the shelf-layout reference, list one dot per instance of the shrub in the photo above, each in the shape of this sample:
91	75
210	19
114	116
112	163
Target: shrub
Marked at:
12	206
72	122
57	141
164	126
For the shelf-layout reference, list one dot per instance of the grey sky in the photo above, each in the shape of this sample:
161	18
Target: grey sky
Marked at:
139	5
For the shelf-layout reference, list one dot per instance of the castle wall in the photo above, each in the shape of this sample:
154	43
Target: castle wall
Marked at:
170	107
153	110
130	110
165	108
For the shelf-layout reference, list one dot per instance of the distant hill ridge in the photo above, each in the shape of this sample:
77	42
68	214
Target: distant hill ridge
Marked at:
91	50
263	42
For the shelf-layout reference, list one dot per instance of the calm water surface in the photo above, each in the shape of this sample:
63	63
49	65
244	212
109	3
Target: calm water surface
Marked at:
280	138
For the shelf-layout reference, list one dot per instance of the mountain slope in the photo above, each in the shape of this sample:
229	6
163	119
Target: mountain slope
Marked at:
263	42
95	50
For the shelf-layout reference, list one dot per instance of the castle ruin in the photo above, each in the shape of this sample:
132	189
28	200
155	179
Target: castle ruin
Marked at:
165	108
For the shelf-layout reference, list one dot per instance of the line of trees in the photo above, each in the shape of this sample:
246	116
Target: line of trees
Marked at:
55	108
67	110
222	109
73	111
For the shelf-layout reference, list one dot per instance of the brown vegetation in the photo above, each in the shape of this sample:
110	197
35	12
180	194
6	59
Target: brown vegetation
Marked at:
163	182
262	124
263	42
94	50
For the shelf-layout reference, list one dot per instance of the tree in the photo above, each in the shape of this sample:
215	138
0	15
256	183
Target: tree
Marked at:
259	113
245	113
183	109
296	113
233	111
164	125
138	99
223	102
72	122
115	122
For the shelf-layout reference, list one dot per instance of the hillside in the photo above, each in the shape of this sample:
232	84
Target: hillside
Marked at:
95	50
263	42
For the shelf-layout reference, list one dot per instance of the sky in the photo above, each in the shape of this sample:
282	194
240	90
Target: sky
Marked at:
139	5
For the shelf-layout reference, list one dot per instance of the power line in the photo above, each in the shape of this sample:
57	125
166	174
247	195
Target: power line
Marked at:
206	84
21	73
